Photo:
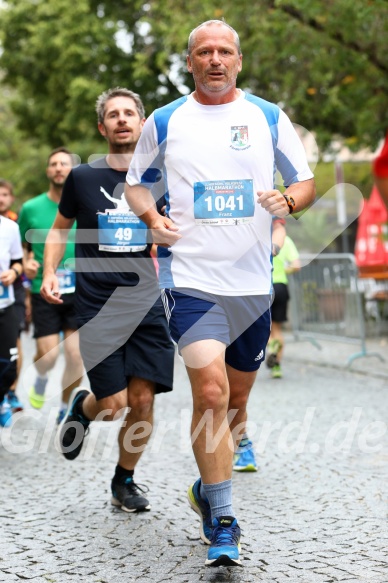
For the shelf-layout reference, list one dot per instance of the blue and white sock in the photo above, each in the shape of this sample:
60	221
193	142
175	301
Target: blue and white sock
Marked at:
220	498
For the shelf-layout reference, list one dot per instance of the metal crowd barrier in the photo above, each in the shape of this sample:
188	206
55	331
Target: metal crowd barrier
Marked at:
326	301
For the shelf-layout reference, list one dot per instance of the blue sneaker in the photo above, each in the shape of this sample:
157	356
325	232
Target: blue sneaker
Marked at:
5	413
244	459
202	508
225	543
73	427
14	402
61	415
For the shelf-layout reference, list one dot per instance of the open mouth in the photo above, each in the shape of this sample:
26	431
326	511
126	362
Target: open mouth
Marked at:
216	74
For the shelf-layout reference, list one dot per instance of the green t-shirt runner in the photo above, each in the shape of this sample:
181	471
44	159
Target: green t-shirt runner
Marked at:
39	213
287	254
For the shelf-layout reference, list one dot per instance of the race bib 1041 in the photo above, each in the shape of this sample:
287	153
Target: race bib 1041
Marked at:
223	202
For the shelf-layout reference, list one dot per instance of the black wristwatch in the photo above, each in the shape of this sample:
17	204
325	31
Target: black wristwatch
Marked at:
290	203
275	249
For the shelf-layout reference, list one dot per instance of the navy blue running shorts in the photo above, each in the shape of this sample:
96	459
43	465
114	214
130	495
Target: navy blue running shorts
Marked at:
243	323
112	355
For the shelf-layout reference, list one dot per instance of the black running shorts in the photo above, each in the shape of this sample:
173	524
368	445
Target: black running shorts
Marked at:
111	358
52	318
8	352
279	305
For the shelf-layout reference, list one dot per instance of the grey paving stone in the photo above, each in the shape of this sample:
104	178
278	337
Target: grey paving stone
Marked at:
309	516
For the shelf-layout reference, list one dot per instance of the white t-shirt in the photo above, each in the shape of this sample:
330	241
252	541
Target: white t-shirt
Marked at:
10	249
209	162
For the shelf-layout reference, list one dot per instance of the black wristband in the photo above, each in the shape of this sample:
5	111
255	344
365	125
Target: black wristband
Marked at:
16	271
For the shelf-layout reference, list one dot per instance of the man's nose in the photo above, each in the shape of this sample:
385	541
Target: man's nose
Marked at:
215	58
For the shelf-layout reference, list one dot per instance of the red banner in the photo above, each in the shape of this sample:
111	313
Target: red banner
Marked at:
371	249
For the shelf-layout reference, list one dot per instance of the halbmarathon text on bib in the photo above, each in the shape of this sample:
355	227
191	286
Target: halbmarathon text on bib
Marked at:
121	232
223	202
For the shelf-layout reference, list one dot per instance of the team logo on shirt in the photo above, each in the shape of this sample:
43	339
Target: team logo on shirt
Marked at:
120	203
239	138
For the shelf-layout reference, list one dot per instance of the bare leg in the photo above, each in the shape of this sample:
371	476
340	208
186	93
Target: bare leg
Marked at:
210	390
74	369
139	396
47	351
277	334
140	401
240	383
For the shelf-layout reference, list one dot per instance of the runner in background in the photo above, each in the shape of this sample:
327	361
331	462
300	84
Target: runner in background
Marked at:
286	262
124	338
7	199
49	320
244	459
11	256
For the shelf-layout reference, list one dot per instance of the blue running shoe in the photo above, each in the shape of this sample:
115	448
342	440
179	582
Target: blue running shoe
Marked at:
224	549
202	508
5	413
73	427
244	459
14	402
61	415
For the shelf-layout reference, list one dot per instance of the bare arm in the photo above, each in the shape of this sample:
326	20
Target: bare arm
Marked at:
30	265
274	202
54	250
8	276
293	266
140	200
278	236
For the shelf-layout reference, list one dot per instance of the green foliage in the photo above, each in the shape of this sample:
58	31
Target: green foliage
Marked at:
326	62
22	161
357	173
323	62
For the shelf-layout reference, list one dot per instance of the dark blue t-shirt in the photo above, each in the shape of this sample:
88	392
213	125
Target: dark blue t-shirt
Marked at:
88	190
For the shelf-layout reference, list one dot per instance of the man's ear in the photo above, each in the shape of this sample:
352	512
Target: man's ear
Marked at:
188	62
101	129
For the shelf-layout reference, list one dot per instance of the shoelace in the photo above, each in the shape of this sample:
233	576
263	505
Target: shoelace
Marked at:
225	536
135	487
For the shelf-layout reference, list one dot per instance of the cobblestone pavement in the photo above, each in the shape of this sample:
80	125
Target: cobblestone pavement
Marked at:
315	512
